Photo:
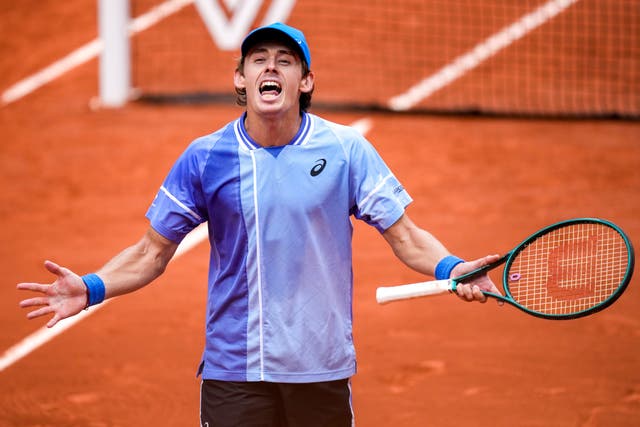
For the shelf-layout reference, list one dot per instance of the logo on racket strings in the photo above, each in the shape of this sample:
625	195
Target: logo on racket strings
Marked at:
569	277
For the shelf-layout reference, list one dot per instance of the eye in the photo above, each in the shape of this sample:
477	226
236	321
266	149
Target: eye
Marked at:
286	58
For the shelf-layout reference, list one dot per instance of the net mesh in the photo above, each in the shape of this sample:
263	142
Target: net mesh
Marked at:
570	269
516	57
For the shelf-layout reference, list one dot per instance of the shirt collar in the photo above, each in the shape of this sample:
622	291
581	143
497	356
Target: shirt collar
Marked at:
301	137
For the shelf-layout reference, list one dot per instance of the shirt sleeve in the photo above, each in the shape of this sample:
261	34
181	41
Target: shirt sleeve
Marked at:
380	199
179	205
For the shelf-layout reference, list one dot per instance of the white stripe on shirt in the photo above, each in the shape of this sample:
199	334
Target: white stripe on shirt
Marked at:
182	205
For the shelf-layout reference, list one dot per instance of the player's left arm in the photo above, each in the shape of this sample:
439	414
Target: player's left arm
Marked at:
421	251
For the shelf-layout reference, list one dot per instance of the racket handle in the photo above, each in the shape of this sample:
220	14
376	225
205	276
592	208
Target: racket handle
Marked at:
414	290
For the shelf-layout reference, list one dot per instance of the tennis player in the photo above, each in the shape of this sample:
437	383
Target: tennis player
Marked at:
277	187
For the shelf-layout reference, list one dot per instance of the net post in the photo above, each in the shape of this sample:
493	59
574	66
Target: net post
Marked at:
114	71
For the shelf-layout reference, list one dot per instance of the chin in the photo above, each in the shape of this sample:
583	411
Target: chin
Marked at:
272	107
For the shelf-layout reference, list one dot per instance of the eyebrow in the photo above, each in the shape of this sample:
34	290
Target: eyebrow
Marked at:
264	49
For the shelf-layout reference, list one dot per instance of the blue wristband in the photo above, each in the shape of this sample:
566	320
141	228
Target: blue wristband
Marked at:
445	266
95	289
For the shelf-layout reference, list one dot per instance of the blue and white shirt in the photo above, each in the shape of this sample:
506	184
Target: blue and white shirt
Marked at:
280	280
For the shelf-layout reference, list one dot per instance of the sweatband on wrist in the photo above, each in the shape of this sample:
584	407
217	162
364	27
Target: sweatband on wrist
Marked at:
95	289
445	266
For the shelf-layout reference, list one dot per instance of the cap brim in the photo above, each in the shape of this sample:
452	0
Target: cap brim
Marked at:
272	34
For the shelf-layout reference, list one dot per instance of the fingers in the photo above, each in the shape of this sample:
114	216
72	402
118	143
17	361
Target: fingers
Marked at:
40	312
34	302
492	258
51	323
478	295
54	268
468	292
36	287
487	260
49	291
475	289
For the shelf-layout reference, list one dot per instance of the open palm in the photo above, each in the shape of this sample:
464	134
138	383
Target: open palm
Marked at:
63	298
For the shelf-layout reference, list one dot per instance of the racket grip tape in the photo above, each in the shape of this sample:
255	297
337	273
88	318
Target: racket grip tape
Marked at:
415	290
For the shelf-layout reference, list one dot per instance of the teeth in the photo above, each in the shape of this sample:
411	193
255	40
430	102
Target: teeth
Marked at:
270	86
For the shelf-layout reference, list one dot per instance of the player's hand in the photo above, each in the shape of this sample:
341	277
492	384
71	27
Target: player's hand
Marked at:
66	296
472	290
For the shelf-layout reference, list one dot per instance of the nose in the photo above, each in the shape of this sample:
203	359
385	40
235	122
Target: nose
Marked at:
271	63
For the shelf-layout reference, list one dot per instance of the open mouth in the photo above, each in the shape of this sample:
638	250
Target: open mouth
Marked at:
270	88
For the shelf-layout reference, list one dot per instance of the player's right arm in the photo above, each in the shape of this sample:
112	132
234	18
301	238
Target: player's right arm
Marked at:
135	267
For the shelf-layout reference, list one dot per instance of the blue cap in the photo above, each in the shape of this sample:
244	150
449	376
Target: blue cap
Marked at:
278	28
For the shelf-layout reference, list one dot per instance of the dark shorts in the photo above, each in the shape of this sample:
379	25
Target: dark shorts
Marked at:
263	404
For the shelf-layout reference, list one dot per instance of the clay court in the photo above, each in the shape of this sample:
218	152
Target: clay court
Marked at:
76	182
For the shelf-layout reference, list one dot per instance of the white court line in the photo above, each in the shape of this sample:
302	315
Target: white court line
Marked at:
39	79
413	96
44	334
422	90
52	72
86	53
480	53
362	125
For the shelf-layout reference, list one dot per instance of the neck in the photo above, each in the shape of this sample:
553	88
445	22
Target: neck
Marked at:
272	131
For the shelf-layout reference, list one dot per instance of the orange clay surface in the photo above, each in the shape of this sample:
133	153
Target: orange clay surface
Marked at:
75	184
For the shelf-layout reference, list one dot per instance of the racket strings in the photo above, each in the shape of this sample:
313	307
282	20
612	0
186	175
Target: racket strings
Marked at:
569	269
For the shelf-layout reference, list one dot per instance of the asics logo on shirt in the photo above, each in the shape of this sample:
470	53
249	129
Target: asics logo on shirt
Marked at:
318	167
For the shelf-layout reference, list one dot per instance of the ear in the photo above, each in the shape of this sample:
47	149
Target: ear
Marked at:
307	82
238	80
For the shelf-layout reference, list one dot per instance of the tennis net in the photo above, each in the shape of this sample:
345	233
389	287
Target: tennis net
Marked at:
505	57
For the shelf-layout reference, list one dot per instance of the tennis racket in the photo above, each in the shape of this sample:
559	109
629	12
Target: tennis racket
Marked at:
567	270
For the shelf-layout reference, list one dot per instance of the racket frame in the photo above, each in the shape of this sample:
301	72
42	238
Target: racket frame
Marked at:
440	286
